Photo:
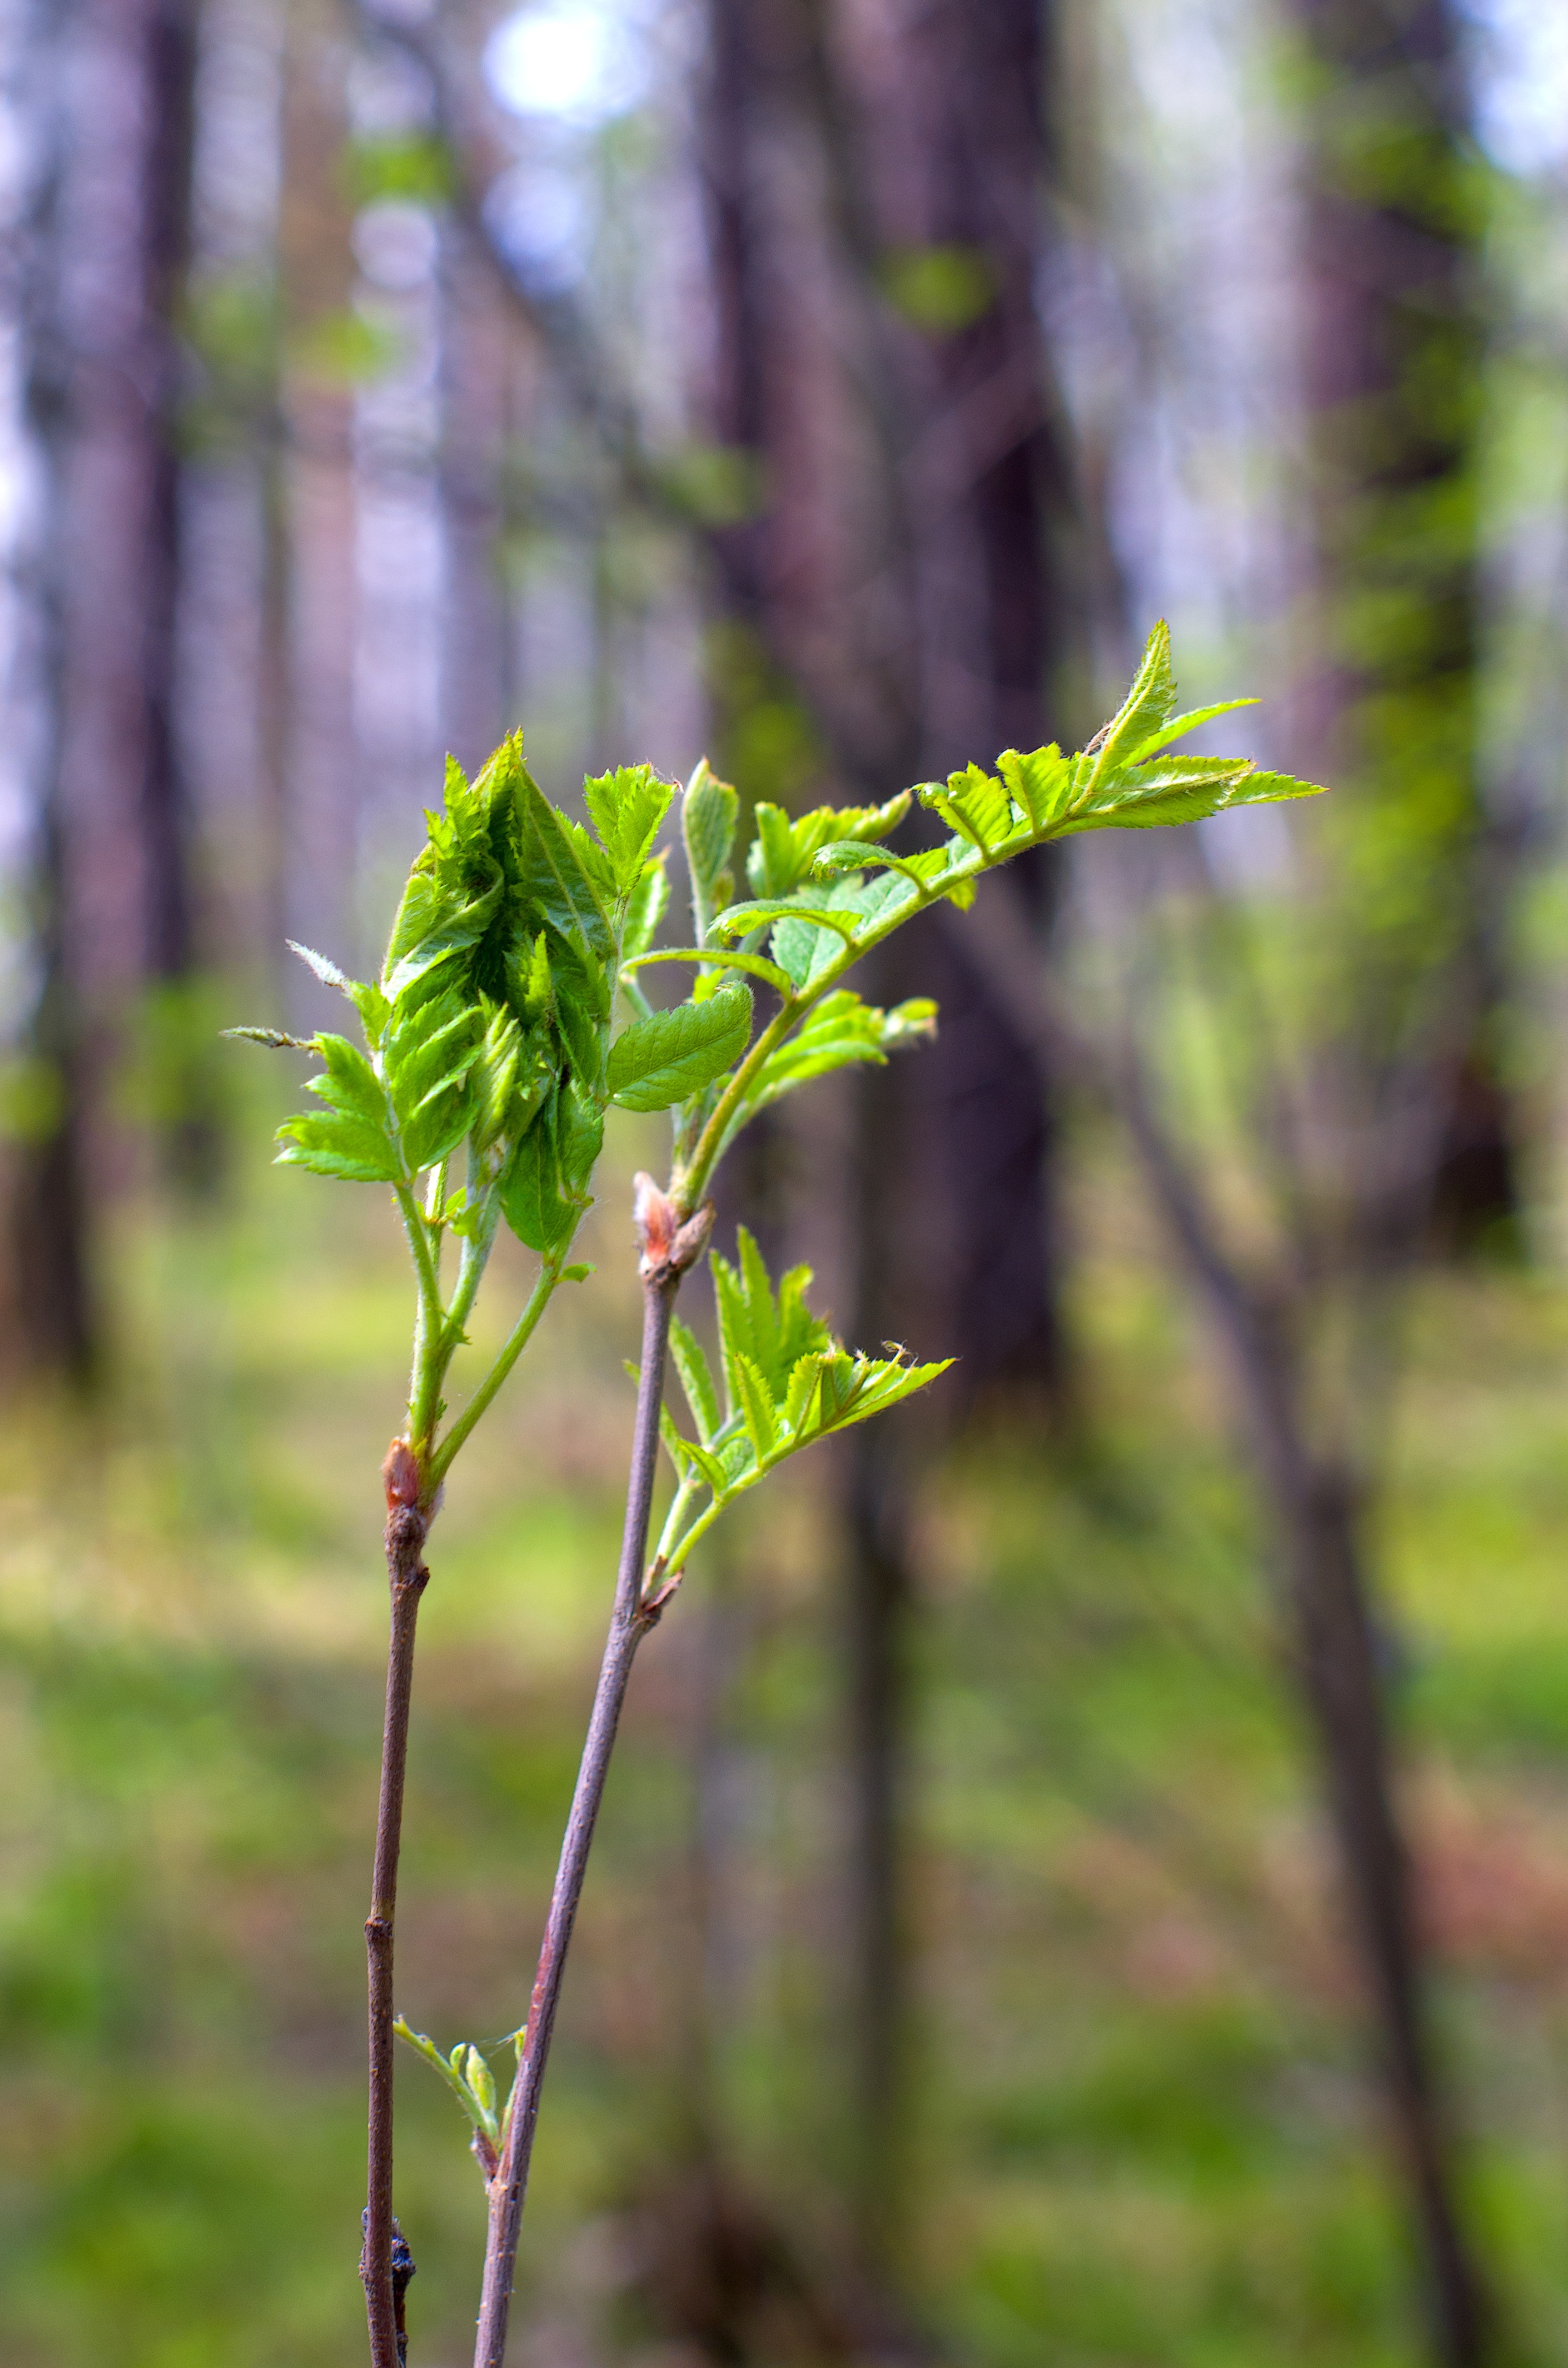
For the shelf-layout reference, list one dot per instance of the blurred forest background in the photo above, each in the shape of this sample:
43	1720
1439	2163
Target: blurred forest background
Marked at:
1087	1881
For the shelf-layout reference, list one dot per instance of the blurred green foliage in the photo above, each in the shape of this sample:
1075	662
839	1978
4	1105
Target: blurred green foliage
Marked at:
1144	2133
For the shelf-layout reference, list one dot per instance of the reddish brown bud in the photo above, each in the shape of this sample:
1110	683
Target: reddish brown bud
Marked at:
400	1476
654	1219
669	1247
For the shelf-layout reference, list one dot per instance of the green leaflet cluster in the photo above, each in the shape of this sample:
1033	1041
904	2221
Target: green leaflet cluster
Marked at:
491	1030
788	1382
492	1033
823	891
490	1027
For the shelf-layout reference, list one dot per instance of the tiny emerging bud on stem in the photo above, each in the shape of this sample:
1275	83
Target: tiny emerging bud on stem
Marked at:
400	1476
668	1247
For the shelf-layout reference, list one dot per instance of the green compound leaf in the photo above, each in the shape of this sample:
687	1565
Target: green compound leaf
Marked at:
1264	789
566	880
352	1138
807	944
1181	725
544	1183
429	1050
782	852
582	1015
435	924
719	958
532	1199
696	1378
788	1382
708	815
975	805
854	1388
1039	784
855	855
494	1079
645	909
772	1330
673	1055
755	1407
738	920
1182	789
626	809
579	1136
1148	705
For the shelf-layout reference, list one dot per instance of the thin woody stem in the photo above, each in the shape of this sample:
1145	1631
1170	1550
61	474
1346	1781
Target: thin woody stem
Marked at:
630	1621
407	1575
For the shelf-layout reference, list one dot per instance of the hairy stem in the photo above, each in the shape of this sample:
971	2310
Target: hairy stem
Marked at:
690	1183
476	1250
406	1576
516	1341
428	1320
629	1622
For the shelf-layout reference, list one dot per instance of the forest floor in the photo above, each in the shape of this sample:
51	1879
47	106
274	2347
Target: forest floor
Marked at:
1142	2136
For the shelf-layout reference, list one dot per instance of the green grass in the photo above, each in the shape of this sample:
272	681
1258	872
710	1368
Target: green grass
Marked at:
1143	2137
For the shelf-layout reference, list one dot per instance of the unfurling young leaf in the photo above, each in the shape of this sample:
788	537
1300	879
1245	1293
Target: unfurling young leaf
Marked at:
645	909
429	1050
783	851
466	2074
626	809
708	831
695	1379
544	1185
788	1382
976	805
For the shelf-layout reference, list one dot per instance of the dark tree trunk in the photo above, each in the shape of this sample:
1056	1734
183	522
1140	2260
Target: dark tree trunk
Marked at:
112	864
190	1145
169	135
1315	1505
899	586
1393	348
1344	1687
48	1285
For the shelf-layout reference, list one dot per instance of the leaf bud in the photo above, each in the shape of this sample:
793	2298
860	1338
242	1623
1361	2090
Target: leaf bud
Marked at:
400	1476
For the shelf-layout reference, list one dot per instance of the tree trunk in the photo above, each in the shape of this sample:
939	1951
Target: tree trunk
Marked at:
169	134
898	583
1344	1687
1315	1507
1392	346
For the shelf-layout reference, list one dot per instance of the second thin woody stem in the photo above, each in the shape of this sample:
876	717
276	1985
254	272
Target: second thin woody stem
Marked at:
666	1254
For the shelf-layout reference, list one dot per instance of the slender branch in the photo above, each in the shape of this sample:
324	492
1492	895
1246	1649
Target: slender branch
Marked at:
477	1248
629	1622
406	1576
429	1318
687	1184
516	1341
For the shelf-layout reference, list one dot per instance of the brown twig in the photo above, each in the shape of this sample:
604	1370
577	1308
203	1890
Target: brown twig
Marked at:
668	1250
407	1523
